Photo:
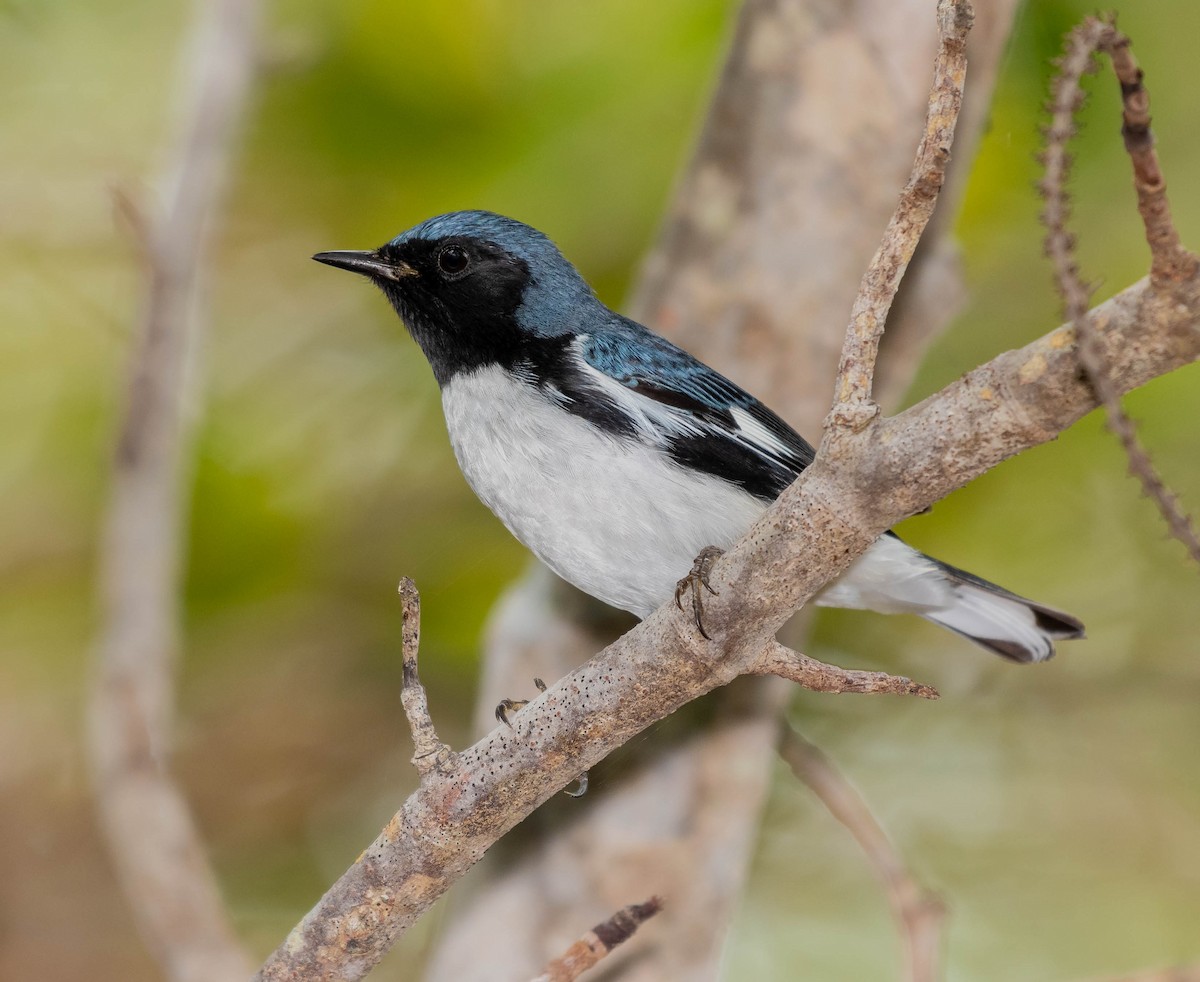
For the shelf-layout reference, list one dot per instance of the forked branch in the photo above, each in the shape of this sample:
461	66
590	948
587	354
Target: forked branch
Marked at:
816	529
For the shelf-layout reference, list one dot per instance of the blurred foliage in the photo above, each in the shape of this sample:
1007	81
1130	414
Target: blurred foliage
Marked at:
1057	808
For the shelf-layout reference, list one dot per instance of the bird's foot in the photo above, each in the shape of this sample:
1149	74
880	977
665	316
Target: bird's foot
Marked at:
507	706
697	578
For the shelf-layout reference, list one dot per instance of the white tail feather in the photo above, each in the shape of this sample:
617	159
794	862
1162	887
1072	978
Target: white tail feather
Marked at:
1003	624
893	578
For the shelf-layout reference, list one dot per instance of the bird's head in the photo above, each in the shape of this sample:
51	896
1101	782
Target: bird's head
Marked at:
472	286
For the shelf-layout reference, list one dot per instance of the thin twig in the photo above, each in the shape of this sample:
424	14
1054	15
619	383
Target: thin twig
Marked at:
853	406
429	753
150	832
599	941
1170	262
918	912
782	661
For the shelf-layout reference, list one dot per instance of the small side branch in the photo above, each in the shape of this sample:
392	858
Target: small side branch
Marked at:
854	407
1170	262
599	941
820	677
429	753
918	912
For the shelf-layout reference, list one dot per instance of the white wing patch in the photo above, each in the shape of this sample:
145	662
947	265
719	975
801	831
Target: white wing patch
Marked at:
755	435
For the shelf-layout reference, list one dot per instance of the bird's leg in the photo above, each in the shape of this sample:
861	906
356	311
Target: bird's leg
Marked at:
696	579
514	705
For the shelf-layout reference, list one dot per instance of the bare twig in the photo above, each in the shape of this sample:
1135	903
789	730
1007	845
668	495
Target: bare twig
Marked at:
1169	259
1170	262
820	677
429	753
853	405
918	912
150	832
599	941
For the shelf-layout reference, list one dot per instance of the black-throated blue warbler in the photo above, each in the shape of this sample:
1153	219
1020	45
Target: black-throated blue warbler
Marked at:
614	455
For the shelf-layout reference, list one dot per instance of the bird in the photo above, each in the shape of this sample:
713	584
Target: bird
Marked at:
615	456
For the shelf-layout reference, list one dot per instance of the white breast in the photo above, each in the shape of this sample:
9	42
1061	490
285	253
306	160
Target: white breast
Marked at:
614	517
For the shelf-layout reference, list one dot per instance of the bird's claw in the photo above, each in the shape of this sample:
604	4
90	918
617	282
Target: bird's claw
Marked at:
697	578
507	706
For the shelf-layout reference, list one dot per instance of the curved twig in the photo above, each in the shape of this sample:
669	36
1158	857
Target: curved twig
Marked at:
1170	261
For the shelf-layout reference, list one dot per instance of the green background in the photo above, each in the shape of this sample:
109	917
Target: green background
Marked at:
1057	808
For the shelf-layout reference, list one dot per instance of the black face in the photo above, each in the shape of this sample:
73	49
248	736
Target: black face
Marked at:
459	297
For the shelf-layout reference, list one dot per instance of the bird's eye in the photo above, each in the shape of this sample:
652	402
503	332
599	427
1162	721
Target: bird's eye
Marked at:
453	259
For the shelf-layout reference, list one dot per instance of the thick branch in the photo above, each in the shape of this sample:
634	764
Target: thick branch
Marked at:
918	913
151	834
815	530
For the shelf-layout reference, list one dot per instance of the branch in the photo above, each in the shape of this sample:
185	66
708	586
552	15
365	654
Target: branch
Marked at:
149	830
819	677
918	913
599	941
429	753
853	406
1169	260
710	285
809	536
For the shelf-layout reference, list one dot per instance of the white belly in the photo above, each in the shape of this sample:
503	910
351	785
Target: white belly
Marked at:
615	518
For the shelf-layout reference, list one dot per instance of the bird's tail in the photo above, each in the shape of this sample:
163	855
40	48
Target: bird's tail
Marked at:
1003	622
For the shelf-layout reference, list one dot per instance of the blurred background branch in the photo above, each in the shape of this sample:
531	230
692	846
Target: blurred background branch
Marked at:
918	912
152	838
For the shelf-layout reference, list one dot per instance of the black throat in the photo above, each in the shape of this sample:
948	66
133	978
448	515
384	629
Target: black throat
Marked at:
460	325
